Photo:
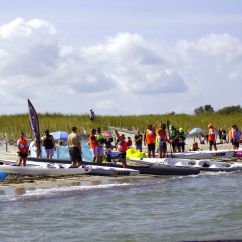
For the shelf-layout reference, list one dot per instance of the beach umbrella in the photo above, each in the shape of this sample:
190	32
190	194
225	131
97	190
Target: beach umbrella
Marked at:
195	132
60	135
106	135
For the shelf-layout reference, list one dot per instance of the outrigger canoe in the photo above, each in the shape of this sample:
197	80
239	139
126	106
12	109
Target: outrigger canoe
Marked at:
205	165
203	154
164	170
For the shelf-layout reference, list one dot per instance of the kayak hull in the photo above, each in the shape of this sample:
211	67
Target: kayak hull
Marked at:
143	169
203	165
45	171
214	154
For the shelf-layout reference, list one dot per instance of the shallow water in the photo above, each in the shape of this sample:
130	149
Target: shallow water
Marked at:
203	207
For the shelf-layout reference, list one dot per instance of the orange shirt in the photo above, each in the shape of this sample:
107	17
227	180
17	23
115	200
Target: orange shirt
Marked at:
150	137
92	141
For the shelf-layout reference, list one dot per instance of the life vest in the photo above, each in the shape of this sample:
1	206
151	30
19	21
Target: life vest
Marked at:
150	138
211	134
92	141
23	146
122	146
181	135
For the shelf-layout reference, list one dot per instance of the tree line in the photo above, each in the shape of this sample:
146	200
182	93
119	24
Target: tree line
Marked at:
208	109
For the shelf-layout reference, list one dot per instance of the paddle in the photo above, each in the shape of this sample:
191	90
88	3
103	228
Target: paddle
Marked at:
168	132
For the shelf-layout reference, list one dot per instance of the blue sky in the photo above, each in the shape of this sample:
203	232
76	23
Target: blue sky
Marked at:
158	56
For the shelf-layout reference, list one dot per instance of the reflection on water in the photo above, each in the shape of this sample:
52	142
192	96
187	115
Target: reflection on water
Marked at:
14	191
37	186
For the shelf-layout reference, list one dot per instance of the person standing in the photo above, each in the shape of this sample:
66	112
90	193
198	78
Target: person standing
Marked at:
173	138
23	149
49	144
100	143
93	144
212	136
138	140
161	140
129	142
92	115
235	135
181	140
122	148
74	147
149	139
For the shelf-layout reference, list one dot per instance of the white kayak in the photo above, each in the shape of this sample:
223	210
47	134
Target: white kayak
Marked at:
47	170
203	154
208	165
95	169
113	171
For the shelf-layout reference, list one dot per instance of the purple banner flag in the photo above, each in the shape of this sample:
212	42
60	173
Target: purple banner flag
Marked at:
33	120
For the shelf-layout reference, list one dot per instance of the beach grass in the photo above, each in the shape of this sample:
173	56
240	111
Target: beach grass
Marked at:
11	125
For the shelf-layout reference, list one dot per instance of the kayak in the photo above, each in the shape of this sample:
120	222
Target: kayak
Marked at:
205	165
164	170
203	154
47	170
113	171
95	169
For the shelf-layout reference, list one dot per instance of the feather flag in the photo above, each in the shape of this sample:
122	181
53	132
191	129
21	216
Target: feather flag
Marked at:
33	120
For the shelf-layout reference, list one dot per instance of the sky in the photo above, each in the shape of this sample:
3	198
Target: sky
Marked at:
126	57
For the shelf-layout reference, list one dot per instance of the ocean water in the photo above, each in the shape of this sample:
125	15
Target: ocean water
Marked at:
202	207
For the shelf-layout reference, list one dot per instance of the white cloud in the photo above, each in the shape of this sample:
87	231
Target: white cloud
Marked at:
123	75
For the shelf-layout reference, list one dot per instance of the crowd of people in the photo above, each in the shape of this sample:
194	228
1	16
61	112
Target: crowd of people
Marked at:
160	137
155	139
